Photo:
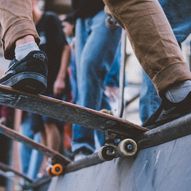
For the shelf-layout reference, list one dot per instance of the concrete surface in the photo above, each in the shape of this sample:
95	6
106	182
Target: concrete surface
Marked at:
162	168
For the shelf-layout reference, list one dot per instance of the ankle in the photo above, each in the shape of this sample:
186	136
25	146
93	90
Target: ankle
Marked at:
24	49
24	40
178	92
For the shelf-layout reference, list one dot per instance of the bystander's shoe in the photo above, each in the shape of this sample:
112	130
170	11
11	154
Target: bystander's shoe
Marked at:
28	74
169	111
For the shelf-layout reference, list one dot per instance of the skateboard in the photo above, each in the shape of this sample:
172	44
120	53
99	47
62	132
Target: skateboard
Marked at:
122	135
57	161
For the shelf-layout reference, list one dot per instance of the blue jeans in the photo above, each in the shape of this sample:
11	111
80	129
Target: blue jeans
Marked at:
149	99
95	50
112	78
31	159
178	13
73	80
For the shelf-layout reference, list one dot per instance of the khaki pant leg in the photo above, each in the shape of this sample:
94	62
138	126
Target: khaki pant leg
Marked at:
16	22
152	39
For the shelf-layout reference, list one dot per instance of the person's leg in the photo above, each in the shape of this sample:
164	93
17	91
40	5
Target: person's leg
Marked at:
30	158
149	99
16	22
178	13
53	137
28	72
25	150
80	141
96	56
111	81
158	52
99	134
36	160
153	40
73	80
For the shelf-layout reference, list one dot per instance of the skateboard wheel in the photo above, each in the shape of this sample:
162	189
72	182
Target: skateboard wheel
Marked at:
55	170
107	153
128	147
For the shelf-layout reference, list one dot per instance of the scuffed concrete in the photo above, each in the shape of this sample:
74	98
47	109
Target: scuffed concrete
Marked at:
164	167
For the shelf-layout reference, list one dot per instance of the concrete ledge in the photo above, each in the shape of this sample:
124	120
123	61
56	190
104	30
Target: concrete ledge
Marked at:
165	167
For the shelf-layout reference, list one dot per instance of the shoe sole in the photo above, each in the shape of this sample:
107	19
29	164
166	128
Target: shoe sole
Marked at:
176	115
27	82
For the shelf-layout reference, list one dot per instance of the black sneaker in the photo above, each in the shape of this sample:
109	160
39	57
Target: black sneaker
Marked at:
28	74
169	111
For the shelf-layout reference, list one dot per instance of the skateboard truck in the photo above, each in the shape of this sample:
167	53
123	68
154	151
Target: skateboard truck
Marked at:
117	146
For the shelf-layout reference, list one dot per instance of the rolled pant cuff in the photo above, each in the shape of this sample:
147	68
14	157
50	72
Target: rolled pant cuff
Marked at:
16	31
174	73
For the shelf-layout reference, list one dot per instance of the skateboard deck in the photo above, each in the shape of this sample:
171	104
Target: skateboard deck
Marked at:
69	112
66	111
57	162
10	172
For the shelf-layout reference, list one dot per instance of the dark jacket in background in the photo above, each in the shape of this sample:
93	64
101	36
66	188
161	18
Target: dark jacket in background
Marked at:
85	8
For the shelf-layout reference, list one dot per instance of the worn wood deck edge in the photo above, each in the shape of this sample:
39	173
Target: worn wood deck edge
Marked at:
67	111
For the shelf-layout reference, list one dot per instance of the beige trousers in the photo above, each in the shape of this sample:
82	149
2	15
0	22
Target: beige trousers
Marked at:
153	40
15	22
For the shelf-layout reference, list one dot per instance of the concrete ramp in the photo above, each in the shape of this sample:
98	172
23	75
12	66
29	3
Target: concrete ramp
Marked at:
166	167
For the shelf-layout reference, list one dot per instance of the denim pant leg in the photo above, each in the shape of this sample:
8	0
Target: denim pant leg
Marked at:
28	124
95	49
178	13
73	80
101	135
25	150
149	99
153	41
36	160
